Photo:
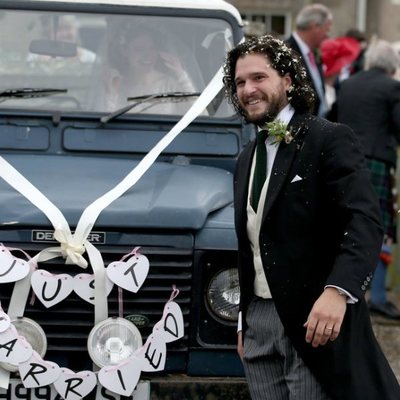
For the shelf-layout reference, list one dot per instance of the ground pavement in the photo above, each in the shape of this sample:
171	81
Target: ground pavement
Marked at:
388	334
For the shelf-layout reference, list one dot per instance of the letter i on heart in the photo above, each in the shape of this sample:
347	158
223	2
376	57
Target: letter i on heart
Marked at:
12	269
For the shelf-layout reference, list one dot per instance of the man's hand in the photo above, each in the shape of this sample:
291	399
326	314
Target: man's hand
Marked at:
326	317
240	349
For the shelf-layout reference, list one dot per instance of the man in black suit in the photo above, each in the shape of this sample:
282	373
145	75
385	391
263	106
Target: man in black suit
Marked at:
308	240
369	102
313	24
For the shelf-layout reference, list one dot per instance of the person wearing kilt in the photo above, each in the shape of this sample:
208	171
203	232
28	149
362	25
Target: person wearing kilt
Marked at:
369	102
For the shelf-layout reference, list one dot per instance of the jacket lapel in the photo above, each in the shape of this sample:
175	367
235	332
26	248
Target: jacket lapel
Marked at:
283	160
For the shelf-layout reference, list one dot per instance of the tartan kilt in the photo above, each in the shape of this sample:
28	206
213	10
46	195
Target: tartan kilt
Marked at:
384	182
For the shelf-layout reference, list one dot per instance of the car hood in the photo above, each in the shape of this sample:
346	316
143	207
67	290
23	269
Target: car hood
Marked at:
166	196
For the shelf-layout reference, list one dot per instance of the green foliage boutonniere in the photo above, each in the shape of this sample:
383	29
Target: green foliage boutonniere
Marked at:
278	130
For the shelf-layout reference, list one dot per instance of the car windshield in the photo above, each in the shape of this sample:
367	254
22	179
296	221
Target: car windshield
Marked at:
82	62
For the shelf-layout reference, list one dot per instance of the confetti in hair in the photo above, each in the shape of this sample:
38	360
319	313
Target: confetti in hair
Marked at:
283	59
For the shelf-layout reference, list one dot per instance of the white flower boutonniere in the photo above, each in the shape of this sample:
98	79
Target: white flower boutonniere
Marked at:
278	130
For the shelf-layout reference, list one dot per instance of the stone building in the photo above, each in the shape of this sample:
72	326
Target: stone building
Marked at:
374	17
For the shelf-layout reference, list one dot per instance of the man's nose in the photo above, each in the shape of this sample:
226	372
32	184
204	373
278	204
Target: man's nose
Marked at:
249	87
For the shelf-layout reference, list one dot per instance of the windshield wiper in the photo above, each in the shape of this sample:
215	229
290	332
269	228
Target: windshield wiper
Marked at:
145	99
28	93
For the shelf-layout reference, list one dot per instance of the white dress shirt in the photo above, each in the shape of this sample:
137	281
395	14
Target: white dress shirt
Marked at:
261	288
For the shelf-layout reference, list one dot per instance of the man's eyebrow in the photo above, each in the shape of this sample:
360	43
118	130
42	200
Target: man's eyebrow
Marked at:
255	73
263	71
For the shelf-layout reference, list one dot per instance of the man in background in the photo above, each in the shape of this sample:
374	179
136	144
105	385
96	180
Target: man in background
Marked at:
369	102
313	24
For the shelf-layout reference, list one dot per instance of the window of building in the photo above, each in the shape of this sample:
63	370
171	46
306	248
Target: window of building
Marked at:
259	24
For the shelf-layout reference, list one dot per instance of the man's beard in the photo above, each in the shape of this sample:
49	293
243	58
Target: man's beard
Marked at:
275	105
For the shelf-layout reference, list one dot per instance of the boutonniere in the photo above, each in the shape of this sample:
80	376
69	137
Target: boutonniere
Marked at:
279	131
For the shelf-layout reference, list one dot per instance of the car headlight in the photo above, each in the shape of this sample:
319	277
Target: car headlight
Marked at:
33	334
112	341
223	294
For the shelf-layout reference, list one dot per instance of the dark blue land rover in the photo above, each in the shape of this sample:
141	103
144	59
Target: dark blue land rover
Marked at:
89	92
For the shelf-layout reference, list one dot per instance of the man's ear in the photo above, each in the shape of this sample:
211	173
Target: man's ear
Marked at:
287	81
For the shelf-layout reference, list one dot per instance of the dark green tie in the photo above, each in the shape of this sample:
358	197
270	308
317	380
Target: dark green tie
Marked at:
260	170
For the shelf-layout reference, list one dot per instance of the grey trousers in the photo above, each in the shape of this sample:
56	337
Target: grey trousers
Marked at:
274	371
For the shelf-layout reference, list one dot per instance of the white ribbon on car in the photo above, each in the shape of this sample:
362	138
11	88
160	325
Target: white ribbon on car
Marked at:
73	246
70	250
91	213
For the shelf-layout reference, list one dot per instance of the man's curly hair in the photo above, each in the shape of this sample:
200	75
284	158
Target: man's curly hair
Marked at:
283	59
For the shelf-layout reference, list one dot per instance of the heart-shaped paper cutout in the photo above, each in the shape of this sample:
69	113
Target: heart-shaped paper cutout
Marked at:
153	353
14	349
36	372
12	269
130	274
4	321
84	286
123	378
51	289
171	324
75	386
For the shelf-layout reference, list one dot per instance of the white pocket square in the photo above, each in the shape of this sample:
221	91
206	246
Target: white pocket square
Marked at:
296	179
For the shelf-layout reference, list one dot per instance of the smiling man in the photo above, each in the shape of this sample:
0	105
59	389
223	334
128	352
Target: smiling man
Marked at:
309	233
261	105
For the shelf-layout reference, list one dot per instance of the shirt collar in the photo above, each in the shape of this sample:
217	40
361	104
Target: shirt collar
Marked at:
286	114
304	48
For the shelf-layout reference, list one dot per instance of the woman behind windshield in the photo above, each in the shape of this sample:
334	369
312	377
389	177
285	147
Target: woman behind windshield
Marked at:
139	67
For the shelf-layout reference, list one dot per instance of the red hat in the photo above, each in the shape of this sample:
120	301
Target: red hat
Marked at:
338	52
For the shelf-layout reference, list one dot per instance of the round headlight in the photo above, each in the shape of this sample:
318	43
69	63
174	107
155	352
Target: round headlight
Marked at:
223	294
34	335
112	341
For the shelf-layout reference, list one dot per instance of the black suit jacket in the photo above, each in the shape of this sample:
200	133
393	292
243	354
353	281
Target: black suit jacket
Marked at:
369	102
291	42
323	229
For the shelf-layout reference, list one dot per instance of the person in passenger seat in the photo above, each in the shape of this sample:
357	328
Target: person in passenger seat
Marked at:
141	67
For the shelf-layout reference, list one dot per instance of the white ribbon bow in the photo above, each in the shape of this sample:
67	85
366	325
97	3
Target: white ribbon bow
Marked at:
70	249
